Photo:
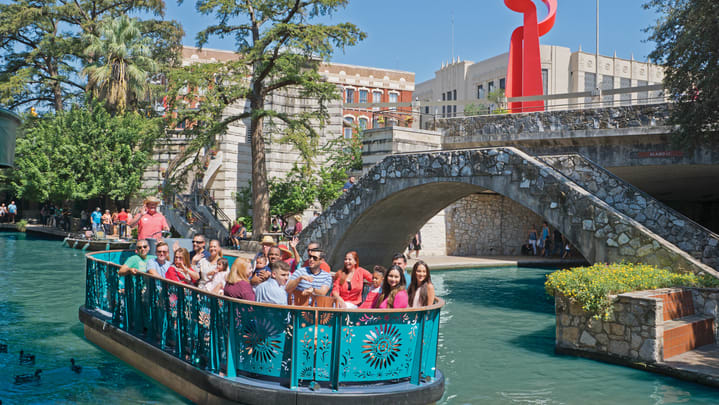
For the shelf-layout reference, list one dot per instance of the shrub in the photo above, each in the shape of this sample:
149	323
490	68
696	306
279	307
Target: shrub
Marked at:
592	286
21	225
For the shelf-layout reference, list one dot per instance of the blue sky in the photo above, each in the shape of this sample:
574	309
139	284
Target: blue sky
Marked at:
415	35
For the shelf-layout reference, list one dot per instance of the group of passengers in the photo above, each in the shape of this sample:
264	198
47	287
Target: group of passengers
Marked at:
277	275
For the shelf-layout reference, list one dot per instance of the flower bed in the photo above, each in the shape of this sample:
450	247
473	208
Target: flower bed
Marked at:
592	286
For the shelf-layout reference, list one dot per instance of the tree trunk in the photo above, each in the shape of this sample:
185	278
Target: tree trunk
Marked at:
260	192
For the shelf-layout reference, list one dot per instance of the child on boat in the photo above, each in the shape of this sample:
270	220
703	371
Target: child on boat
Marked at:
377	277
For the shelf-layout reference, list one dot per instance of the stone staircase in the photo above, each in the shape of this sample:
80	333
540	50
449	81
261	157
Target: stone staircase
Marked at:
685	234
684	329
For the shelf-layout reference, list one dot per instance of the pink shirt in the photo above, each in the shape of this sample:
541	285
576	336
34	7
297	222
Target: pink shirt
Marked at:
400	300
150	226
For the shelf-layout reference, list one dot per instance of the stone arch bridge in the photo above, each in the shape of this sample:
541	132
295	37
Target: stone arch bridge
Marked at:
611	223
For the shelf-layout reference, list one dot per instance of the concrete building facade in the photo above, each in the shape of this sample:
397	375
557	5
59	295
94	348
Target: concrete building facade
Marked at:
229	168
563	71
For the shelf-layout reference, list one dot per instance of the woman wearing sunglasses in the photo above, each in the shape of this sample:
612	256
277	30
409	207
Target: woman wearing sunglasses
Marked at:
349	282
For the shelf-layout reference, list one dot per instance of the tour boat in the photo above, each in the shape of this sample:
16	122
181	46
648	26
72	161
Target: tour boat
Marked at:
213	349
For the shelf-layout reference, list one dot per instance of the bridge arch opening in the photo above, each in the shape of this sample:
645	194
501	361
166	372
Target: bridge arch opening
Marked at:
385	228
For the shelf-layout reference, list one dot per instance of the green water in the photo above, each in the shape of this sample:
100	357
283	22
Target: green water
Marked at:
496	340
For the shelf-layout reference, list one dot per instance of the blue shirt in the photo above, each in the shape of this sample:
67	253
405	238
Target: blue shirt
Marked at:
12	208
271	292
347	186
96	217
161	269
321	279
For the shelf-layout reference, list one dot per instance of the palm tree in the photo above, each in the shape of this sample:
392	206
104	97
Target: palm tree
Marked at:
123	63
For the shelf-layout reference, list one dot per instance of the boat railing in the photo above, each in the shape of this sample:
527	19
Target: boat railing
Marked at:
292	345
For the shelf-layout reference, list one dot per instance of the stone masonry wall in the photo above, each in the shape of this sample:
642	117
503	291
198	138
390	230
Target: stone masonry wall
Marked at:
706	302
571	120
488	224
686	234
599	232
634	332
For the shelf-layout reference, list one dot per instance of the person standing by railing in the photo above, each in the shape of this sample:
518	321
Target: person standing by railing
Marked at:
150	223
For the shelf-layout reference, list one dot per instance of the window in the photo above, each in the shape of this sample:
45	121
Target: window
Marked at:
502	83
363	96
347	130
607	84
449	95
443	111
454	110
363	123
545	86
349	95
643	96
625	98
375	122
589	84
490	87
393	99
376	96
454	94
480	92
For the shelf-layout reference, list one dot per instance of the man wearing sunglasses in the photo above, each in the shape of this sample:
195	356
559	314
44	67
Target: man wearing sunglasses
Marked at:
138	262
314	246
198	248
311	279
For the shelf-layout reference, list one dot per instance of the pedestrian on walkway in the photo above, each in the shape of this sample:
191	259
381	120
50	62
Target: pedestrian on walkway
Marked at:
12	211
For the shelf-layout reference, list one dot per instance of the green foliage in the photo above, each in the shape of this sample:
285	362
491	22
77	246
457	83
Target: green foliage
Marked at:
299	189
83	154
42	44
122	63
21	225
474	109
280	46
247	220
686	36
592	286
293	194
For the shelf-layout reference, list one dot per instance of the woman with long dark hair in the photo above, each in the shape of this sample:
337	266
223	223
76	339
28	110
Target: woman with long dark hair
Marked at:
394	292
421	289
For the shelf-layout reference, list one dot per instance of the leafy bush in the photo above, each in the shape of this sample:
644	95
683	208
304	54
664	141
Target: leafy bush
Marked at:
21	225
591	286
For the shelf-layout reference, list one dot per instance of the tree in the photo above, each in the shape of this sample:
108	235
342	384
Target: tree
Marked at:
42	45
687	46
280	49
81	154
123	63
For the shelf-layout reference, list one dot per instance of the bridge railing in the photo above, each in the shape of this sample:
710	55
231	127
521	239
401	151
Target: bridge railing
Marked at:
281	343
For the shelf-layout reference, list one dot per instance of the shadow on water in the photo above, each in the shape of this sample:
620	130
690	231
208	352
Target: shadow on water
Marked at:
522	294
539	341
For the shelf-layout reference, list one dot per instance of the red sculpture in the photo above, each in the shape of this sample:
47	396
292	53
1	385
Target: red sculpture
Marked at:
524	73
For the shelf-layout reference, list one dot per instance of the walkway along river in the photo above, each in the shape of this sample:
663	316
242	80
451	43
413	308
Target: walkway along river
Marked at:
496	341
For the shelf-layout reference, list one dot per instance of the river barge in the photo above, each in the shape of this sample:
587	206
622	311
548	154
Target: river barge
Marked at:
212	349
95	245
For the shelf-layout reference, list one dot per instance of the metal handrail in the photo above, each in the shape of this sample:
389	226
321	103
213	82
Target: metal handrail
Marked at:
216	210
325	345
